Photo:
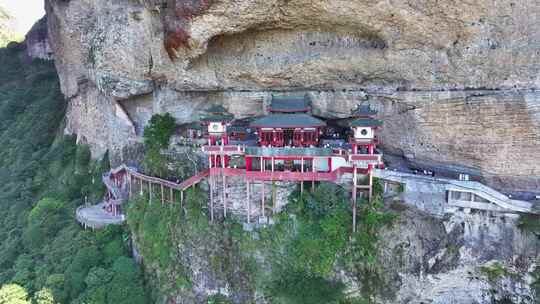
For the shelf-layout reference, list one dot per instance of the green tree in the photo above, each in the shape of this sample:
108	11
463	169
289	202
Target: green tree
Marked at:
55	284
156	137
44	176
84	260
13	294
159	131
124	288
44	296
44	221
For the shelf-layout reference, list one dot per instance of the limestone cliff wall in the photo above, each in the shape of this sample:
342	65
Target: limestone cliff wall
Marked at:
456	81
37	41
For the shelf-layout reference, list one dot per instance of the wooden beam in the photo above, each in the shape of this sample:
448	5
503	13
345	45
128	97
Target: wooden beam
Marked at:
162	195
274	200
211	183
262	198
224	182
302	181
370	185
248	202
313	178
150	193
224	196
354	198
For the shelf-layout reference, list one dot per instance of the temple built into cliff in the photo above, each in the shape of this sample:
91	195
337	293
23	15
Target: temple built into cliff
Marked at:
246	158
288	146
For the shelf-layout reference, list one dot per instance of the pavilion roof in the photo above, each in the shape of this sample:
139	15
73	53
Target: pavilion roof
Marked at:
363	110
217	117
236	128
290	104
280	120
216	109
194	126
365	122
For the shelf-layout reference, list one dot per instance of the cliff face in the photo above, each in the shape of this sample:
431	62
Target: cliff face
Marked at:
465	258
37	42
455	80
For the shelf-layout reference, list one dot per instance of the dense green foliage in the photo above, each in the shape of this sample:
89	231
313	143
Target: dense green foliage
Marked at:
157	135
323	241
292	261
530	223
159	130
154	226
45	256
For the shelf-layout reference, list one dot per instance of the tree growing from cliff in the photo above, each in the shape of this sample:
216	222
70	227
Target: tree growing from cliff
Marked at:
156	137
159	131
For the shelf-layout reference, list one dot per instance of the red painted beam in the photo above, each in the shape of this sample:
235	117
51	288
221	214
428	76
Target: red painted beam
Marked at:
286	175
372	157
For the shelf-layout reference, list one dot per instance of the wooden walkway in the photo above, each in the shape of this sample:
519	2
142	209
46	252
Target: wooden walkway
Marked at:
121	183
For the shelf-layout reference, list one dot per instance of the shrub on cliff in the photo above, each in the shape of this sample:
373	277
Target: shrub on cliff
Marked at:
159	131
156	137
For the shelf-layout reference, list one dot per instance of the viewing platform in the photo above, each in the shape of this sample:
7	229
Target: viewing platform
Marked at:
96	216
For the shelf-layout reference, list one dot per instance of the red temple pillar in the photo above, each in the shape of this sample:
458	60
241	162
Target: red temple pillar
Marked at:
330	164
248	163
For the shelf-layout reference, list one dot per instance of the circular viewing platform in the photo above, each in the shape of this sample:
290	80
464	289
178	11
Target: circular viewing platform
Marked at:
96	216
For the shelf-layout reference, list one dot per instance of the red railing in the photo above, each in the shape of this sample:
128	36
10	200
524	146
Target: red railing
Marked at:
230	148
285	175
194	179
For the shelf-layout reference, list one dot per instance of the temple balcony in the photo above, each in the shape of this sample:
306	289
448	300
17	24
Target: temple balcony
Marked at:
366	141
292	176
224	150
287	151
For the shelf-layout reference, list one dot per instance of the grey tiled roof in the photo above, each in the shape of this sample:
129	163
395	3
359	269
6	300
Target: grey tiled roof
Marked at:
237	129
221	117
365	122
216	109
288	121
290	103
